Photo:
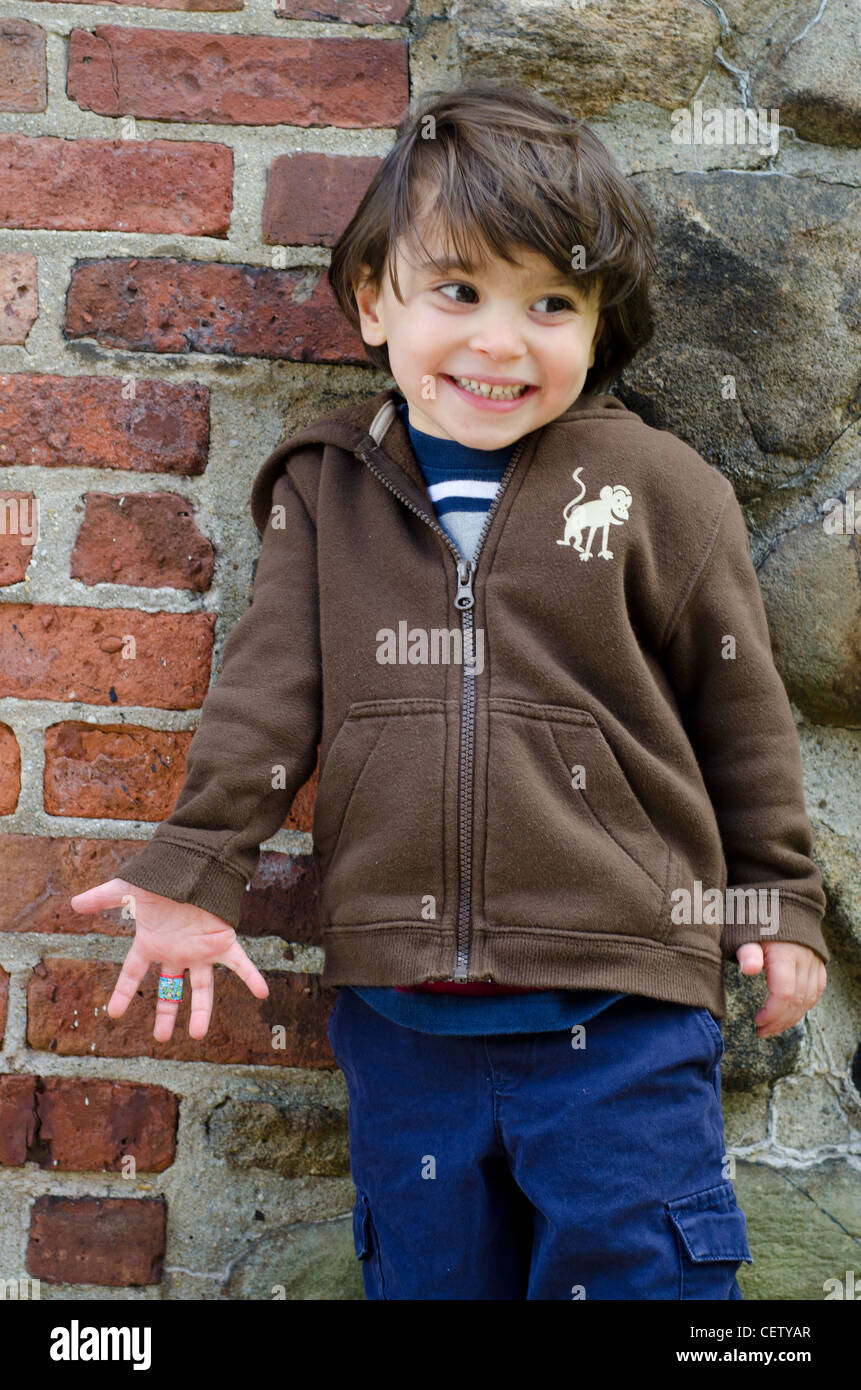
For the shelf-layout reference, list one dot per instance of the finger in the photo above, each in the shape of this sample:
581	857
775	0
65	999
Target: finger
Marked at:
166	1010
134	968
241	964
750	958
201	978
823	978
783	997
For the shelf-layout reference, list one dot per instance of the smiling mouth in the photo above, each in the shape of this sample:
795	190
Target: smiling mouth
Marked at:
493	393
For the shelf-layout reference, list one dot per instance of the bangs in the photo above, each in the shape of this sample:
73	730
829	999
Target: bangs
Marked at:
491	170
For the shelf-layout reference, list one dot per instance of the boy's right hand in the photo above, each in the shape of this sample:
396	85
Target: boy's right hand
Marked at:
178	936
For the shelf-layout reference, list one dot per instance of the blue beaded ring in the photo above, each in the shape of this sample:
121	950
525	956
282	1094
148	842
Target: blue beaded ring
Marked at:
170	986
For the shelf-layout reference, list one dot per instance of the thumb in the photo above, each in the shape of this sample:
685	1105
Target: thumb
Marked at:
750	958
109	894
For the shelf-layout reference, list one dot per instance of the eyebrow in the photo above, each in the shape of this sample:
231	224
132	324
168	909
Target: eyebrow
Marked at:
450	263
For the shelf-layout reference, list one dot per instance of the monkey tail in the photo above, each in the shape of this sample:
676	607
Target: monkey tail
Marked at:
566	511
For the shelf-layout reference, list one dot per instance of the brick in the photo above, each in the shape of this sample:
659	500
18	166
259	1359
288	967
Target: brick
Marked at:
19	531
113	770
41	873
283	899
347	11
4	1000
148	539
10	771
186	5
104	422
112	1241
302	811
182	186
19	296
18	1123
310	198
53	653
168	305
240	1030
237	79
96	1126
23	69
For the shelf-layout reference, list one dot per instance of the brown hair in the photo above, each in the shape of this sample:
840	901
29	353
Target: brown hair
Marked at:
505	168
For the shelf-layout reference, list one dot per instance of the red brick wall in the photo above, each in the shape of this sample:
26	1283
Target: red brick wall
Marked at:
96	342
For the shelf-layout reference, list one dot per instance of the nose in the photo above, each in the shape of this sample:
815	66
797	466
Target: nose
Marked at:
498	335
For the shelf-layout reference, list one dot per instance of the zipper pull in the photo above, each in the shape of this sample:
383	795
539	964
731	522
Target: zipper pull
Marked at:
464	598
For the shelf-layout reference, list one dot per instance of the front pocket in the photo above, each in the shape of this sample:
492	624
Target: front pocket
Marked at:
578	855
714	1032
378	816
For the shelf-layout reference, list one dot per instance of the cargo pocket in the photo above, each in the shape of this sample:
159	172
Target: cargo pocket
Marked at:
367	1247
711	1239
569	845
378	814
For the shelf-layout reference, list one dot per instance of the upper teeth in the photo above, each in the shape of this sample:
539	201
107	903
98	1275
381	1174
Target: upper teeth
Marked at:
483	388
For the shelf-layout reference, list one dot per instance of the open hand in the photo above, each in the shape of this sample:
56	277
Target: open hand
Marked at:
179	936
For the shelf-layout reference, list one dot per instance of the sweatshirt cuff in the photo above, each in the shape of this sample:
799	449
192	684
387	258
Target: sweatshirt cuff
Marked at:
186	875
798	922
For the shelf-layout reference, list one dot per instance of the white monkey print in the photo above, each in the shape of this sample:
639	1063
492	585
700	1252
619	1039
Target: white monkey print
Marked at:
609	508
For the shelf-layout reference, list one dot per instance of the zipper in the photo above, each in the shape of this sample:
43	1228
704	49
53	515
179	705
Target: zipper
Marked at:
464	602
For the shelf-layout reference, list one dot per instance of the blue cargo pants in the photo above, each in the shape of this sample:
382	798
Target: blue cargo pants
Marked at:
587	1164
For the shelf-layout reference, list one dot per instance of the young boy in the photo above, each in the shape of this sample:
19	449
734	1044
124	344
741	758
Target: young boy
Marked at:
560	780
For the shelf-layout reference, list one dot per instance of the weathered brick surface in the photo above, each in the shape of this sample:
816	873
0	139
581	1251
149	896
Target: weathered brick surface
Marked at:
282	899
18	1123
108	770
23	70
115	1241
78	653
167	305
188	5
104	422
150	539
182	186
311	197
347	11
302	811
65	993
97	1125
10	771
229	79
65	1123
4	1001
19	295
41	874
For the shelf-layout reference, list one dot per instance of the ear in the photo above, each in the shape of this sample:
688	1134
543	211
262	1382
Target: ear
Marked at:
369	305
599	329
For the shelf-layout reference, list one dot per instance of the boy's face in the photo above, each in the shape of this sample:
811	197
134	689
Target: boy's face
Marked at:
525	325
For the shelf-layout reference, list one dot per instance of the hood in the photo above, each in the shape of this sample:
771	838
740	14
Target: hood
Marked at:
374	425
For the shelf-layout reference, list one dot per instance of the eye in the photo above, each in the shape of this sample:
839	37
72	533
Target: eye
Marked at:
455	285
556	299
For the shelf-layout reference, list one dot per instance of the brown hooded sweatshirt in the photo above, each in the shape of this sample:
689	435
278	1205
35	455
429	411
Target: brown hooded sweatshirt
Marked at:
543	770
